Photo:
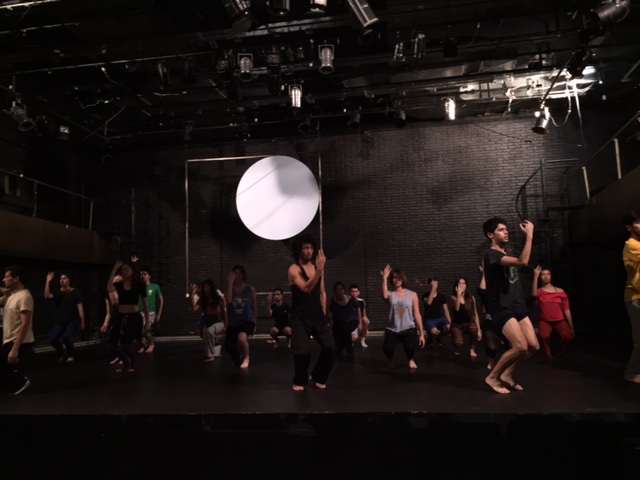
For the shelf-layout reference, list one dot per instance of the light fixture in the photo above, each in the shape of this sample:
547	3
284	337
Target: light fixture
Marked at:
279	8
419	45
295	94
63	132
596	20
450	108
304	126
245	61
326	54
578	61
236	8
18	112
317	6
354	121
273	64
399	118
398	50
363	12
542	121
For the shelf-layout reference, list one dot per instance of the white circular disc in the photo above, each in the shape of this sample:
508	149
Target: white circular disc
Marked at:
277	197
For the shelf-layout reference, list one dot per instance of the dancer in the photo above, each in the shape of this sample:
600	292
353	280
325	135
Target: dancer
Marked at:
128	322
404	317
554	312
506	303
17	331
214	320
68	317
308	310
241	306
437	319
631	259
345	317
363	331
465	317
490	333
111	310
280	312
156	304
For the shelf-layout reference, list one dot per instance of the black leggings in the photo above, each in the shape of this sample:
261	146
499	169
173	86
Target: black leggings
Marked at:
408	339
126	328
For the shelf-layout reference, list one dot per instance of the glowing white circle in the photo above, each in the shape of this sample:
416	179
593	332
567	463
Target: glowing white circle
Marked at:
277	197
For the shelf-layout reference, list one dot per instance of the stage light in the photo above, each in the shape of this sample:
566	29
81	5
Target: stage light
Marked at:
326	59
295	94
450	108
363	12
419	45
273	64
18	112
596	20
399	118
317	6
304	126
579	60
279	8
354	121
245	61
398	50
542	121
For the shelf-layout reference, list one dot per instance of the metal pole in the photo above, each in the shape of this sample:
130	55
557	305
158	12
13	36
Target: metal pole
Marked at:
616	144
586	182
186	225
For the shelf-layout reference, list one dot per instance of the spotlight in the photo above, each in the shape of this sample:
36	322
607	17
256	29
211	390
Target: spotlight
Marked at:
595	22
279	8
399	118
236	8
542	121
419	45
364	13
64	132
398	50
295	94
450	108
579	60
19	113
245	60
354	121
326	59
273	64
317	6
304	126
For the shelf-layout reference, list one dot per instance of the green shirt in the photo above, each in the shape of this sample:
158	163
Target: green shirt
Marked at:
153	294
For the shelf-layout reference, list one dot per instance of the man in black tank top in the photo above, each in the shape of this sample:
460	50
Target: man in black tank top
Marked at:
308	315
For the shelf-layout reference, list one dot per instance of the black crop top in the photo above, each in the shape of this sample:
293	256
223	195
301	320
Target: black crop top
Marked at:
130	297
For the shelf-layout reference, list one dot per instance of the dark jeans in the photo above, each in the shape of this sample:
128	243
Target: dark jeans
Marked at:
67	333
408	339
301	331
11	380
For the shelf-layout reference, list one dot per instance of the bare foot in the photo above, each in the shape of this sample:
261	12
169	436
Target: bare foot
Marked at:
70	360
496	386
473	353
150	348
271	340
490	364
412	364
209	359
298	388
320	386
114	361
141	350
511	383
131	370
245	363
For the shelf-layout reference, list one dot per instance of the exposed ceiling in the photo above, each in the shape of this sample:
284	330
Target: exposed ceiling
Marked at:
166	72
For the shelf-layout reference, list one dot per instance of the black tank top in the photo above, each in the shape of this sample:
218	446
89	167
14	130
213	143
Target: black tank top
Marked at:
305	303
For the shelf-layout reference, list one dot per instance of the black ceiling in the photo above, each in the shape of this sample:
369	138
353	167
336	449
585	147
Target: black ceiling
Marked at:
150	72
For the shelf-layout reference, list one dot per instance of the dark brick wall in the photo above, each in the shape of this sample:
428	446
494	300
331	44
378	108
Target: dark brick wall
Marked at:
415	198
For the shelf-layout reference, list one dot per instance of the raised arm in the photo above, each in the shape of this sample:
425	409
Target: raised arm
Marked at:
194	298
534	285
385	272
47	286
295	278
523	259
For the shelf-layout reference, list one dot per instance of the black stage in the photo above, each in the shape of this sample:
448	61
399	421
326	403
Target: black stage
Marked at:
180	418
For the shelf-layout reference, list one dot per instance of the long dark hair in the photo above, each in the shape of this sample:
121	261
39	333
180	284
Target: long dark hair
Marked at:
213	299
469	301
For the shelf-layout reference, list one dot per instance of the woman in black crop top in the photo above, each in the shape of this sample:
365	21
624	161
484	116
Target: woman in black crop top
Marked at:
128	322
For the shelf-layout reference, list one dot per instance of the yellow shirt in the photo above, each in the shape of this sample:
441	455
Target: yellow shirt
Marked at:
20	301
631	259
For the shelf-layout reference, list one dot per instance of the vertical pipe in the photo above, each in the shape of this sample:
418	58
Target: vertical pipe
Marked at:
320	188
586	182
35	198
617	145
186	224
545	209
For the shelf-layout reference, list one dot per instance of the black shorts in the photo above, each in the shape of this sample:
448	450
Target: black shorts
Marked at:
280	327
502	316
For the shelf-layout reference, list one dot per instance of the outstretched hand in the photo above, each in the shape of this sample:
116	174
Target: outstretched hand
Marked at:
386	271
527	227
536	271
50	276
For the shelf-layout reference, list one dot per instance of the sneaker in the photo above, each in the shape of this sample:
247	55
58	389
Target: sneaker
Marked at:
363	344
26	385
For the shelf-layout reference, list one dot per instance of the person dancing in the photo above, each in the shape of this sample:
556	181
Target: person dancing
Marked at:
462	306
404	317
555	314
308	311
506	303
214	320
241	305
345	317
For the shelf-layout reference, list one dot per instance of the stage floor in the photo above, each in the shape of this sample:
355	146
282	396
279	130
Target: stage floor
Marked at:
174	380
180	418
